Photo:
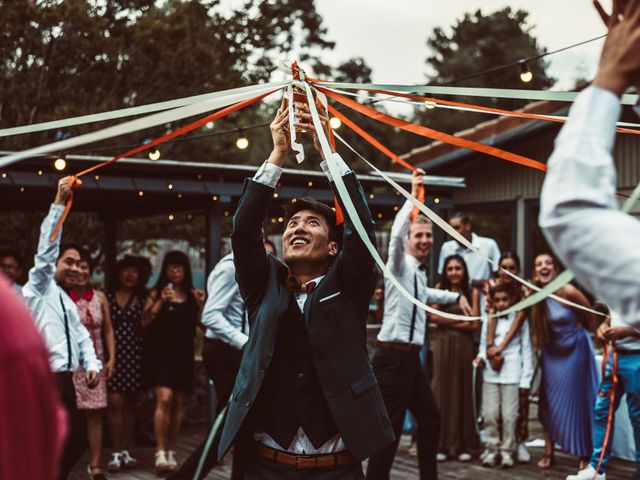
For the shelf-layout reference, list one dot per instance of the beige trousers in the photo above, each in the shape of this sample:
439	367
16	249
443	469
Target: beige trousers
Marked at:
500	400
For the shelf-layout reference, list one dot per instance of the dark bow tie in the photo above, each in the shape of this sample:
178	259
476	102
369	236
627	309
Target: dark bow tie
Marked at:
294	285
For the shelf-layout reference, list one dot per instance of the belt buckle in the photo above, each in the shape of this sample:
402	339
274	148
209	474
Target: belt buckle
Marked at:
305	462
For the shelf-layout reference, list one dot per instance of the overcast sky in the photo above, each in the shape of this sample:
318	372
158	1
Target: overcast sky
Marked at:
391	35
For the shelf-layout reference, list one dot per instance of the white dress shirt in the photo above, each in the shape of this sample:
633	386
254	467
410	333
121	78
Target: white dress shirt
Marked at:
627	343
478	267
224	313
518	355
402	320
269	174
49	305
578	210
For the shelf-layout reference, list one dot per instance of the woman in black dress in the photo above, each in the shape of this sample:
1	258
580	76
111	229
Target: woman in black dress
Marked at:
126	296
170	316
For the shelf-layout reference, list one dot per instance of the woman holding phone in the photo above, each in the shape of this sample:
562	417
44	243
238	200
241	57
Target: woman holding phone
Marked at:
170	316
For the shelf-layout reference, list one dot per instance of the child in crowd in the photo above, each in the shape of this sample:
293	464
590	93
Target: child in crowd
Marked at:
504	375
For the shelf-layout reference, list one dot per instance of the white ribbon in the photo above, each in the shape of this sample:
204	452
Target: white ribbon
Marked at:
295	145
127	112
141	123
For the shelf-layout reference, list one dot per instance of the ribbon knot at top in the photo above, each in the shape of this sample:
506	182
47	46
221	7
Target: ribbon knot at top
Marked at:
294	285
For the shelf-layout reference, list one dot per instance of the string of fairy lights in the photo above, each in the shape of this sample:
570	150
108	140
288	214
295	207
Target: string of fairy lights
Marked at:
242	142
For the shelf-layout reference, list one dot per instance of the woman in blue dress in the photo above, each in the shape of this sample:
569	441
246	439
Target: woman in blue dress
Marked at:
569	377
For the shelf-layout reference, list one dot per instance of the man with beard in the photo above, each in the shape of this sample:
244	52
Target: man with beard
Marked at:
396	361
54	272
306	403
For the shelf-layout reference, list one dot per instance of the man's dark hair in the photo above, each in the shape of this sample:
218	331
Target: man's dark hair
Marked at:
70	246
335	231
9	252
502	287
463	217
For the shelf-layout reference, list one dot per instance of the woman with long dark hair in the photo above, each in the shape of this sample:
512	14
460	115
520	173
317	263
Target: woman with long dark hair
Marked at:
454	349
569	375
170	316
126	295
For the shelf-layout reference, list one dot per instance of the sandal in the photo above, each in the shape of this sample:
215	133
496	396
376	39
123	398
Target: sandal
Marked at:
547	461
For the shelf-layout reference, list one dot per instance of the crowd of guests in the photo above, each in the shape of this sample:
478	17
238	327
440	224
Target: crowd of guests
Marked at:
143	339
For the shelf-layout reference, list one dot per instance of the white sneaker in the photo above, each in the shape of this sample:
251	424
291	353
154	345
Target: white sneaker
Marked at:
172	463
464	457
127	460
115	464
522	454
587	473
490	459
441	457
507	460
161	461
484	453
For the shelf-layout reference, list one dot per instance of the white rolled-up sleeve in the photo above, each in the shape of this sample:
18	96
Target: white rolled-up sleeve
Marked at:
578	211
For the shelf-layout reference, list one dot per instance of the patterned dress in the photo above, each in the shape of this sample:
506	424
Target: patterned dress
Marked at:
91	316
128	335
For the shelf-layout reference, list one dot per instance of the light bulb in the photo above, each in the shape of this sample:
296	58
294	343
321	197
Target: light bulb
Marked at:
429	104
335	123
60	164
525	74
242	143
154	154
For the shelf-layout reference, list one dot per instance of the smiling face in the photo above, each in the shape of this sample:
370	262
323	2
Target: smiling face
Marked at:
544	268
68	268
84	274
306	239
501	301
454	271
420	240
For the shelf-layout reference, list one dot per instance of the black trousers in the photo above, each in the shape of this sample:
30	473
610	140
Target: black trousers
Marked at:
259	468
76	425
222	362
404	385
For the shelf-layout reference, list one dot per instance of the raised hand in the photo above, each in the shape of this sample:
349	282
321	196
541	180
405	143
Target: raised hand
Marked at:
417	180
64	189
619	61
280	134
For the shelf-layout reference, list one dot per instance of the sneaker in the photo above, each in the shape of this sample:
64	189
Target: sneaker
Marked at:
588	473
464	457
507	460
522	454
172	463
115	464
490	459
161	461
441	457
127	460
484	453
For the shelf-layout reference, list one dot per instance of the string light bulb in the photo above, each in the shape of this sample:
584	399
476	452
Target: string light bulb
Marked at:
429	104
60	164
525	74
335	123
154	154
242	141
171	217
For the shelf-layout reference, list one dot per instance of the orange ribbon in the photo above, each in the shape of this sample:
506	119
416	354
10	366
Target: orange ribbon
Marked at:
530	116
434	134
176	133
612	395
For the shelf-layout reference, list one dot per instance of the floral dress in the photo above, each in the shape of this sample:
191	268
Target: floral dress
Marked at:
90	311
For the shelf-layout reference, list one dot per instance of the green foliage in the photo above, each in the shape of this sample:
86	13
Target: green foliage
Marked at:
478	43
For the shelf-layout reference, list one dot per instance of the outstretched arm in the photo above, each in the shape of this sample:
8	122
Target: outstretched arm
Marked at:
578	193
249	255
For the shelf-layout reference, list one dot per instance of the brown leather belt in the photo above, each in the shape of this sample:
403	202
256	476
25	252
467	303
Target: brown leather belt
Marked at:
306	461
403	347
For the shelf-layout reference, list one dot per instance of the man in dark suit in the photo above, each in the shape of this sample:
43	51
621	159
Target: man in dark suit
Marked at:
306	403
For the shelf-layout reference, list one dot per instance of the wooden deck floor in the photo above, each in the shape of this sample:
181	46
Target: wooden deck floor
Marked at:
405	466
